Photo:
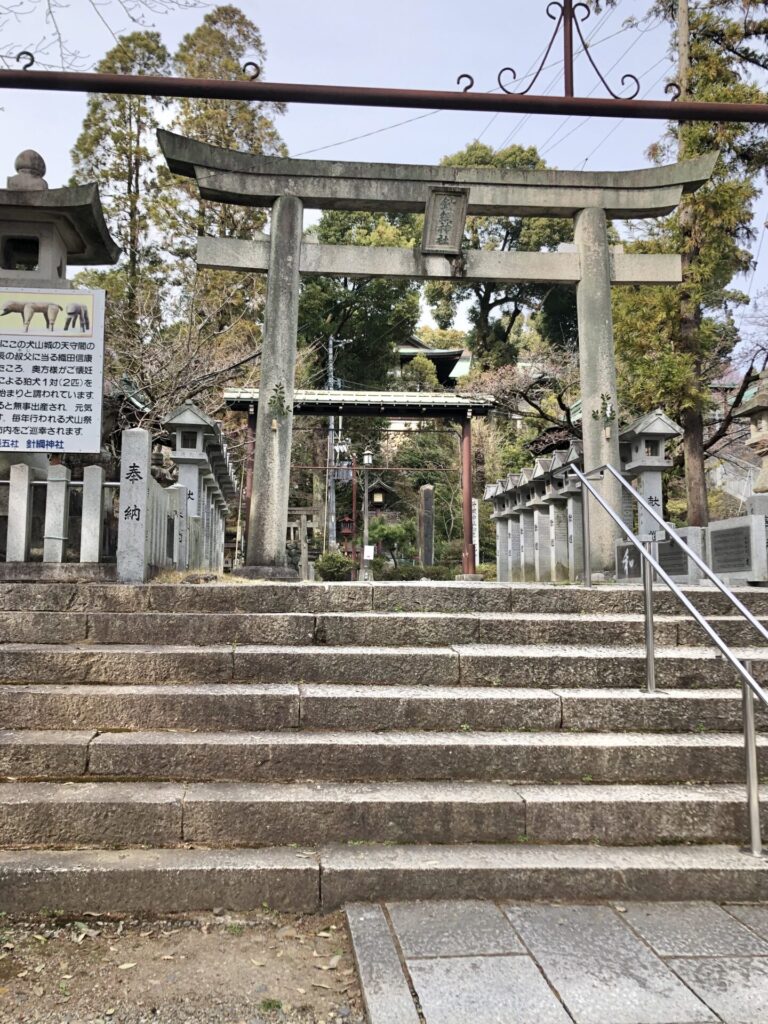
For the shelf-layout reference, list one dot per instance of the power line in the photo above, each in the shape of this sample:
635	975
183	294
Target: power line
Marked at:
431	113
623	119
523	121
593	90
618	123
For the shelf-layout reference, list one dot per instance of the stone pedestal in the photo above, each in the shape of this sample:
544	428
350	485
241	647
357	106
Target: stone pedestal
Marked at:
598	378
268	521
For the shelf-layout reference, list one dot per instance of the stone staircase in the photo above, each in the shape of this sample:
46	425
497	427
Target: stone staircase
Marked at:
183	747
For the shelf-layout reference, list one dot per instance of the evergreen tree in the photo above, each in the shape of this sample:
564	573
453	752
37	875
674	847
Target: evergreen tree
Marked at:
674	343
115	149
495	307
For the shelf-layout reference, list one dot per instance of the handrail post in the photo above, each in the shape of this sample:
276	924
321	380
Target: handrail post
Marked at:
753	781
585	533
650	654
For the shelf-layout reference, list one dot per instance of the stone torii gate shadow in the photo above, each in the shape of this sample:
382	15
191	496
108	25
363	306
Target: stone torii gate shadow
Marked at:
446	196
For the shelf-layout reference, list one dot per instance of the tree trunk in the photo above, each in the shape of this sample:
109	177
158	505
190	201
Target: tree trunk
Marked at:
692	420
695	479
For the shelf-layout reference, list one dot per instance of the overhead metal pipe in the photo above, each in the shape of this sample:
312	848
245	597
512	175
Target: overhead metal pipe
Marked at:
363	96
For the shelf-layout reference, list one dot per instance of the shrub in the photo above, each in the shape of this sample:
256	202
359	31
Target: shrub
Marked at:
333	566
488	571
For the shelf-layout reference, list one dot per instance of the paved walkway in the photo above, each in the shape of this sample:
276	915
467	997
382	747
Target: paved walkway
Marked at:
473	962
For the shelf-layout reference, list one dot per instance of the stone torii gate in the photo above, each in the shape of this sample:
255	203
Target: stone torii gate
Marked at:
446	195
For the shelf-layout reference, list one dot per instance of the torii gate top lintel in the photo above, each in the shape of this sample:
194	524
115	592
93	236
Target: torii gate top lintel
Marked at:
251	179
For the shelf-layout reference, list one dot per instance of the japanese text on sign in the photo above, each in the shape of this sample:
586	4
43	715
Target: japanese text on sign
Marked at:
51	370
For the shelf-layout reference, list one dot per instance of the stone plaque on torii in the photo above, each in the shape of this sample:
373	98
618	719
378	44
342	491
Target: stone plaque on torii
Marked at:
446	195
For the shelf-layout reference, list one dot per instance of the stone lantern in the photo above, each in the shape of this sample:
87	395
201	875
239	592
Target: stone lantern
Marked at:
42	232
646	440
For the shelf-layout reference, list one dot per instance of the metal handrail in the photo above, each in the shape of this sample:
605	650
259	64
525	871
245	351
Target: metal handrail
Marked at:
750	687
697	561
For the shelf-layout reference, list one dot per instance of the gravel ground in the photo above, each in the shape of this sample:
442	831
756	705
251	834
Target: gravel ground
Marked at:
259	968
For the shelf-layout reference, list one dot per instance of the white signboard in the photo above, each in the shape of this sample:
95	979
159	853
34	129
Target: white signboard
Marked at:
476	526
369	552
51	370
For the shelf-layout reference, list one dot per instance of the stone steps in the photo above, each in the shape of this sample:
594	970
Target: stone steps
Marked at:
250	707
376	757
219	815
318	598
305	881
421	741
526	666
344	629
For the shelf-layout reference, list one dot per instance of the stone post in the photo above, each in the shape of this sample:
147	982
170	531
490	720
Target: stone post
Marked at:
133	539
56	529
427	524
541	544
303	547
527	547
268	519
502	547
19	513
558	540
597	368
575	538
93	514
514	572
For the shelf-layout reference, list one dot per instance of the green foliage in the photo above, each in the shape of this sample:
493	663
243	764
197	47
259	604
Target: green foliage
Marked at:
429	453
673	343
374	316
494	308
115	148
488	571
333	566
396	537
420	374
172	332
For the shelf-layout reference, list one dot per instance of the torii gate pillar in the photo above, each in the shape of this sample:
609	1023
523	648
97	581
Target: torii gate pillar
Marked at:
597	370
265	556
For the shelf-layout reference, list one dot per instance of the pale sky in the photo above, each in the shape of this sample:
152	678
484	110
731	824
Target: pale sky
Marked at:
404	44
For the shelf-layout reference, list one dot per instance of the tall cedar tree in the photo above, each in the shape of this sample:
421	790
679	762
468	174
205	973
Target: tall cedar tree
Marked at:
115	149
677	346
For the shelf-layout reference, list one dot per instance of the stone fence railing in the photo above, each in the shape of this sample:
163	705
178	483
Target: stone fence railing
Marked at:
539	528
142	525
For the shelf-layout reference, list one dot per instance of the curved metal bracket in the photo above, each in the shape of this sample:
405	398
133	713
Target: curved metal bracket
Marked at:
568	15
